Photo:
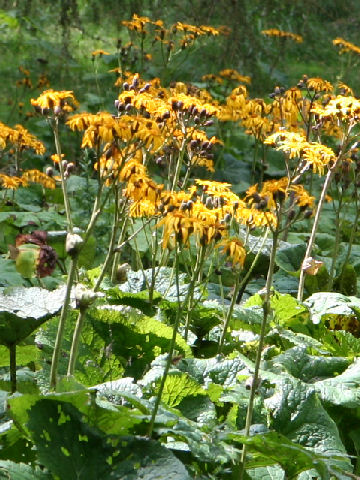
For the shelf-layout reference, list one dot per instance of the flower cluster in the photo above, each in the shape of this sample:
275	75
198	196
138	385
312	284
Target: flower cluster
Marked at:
274	32
313	154
346	46
20	138
57	102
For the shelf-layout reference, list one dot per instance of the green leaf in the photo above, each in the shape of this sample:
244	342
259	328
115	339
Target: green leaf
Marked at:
273	448
137	300
342	390
67	445
307	367
23	310
9	276
25	354
148	460
178	387
290	257
30	198
8	18
329	303
134	337
87	253
20	471
297	413
217	370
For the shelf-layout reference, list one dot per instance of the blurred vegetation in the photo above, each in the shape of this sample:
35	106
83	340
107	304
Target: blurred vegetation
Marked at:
57	37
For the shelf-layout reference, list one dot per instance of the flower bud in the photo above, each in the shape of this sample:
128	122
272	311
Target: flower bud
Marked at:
84	297
73	243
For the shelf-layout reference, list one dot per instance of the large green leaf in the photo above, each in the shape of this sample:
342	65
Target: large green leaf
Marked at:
290	257
178	387
138	300
23	310
19	471
273	448
217	370
71	437
134	337
148	460
298	363
324	304
296	412
343	389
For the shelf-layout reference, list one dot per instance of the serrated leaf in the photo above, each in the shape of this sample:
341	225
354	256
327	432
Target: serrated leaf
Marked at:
298	363
23	310
297	413
138	300
135	337
343	389
273	448
329	303
290	257
178	387
20	471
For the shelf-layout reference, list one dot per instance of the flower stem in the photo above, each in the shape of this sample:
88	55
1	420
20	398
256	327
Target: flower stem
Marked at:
238	287
76	341
12	351
311	241
61	327
171	348
255	381
55	127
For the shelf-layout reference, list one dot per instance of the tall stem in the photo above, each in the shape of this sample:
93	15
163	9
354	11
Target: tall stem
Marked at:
266	309
76	341
311	241
62	175
61	327
238	286
12	351
171	349
191	290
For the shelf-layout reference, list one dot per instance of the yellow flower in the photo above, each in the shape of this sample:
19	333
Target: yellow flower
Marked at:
274	32
56	101
36	176
346	46
142	208
234	75
295	145
20	138
340	107
55	157
13	182
234	249
99	52
177	225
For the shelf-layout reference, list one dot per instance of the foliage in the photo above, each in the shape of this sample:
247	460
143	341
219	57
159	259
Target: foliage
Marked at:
179	258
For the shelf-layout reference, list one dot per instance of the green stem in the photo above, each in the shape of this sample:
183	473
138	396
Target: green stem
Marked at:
62	321
12	351
238	286
76	341
178	165
191	289
336	246
255	381
81	316
349	245
62	175
110	251
311	241
171	349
